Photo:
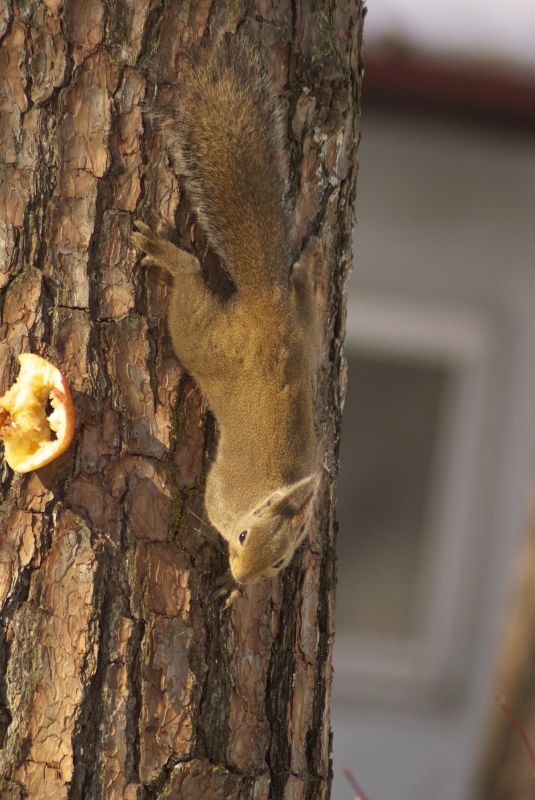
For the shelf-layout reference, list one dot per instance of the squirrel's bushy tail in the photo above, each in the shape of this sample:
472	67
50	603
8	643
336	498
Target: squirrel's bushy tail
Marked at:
228	143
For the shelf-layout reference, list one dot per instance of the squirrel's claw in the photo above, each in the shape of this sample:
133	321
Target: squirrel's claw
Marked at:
147	240
148	232
228	589
163	252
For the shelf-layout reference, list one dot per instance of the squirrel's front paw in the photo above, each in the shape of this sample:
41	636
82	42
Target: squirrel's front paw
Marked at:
228	589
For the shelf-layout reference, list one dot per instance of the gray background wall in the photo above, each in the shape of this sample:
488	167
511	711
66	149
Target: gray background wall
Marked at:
446	214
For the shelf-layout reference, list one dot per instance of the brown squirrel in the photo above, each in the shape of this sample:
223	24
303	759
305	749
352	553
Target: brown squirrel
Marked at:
253	355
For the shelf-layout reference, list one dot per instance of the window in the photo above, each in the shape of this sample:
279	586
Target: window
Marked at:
408	452
389	440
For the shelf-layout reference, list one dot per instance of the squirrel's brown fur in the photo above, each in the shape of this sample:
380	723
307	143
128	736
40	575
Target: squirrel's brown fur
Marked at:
255	355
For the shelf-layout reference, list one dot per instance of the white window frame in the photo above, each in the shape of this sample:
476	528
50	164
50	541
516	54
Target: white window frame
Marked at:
429	667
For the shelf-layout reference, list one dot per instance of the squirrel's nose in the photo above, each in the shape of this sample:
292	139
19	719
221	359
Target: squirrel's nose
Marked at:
240	575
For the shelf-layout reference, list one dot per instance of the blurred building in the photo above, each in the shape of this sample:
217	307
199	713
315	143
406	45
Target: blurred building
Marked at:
438	436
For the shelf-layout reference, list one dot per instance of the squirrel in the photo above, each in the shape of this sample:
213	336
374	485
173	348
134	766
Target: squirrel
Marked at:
255	354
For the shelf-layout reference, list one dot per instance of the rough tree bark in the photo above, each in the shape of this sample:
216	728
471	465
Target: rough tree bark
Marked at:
121	676
506	771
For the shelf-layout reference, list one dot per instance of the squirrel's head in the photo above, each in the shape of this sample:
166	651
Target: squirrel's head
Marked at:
264	540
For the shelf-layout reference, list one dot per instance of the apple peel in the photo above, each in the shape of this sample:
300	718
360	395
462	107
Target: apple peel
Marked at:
33	434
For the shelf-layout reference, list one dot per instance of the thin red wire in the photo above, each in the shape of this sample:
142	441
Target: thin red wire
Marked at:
354	785
518	729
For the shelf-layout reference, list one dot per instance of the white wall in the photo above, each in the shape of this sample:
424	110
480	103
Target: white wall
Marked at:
447	212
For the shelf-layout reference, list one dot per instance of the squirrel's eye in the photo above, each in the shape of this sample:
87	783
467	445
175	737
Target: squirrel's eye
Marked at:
279	564
242	536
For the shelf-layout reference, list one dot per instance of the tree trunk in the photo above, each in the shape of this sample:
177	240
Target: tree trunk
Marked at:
507	772
121	675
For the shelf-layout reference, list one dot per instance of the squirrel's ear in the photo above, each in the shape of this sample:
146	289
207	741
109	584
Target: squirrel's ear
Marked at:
296	499
291	500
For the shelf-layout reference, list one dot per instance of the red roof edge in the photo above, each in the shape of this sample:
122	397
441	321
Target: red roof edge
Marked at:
464	90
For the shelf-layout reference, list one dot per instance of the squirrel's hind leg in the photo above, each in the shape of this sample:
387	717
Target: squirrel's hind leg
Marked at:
163	252
196	316
304	279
